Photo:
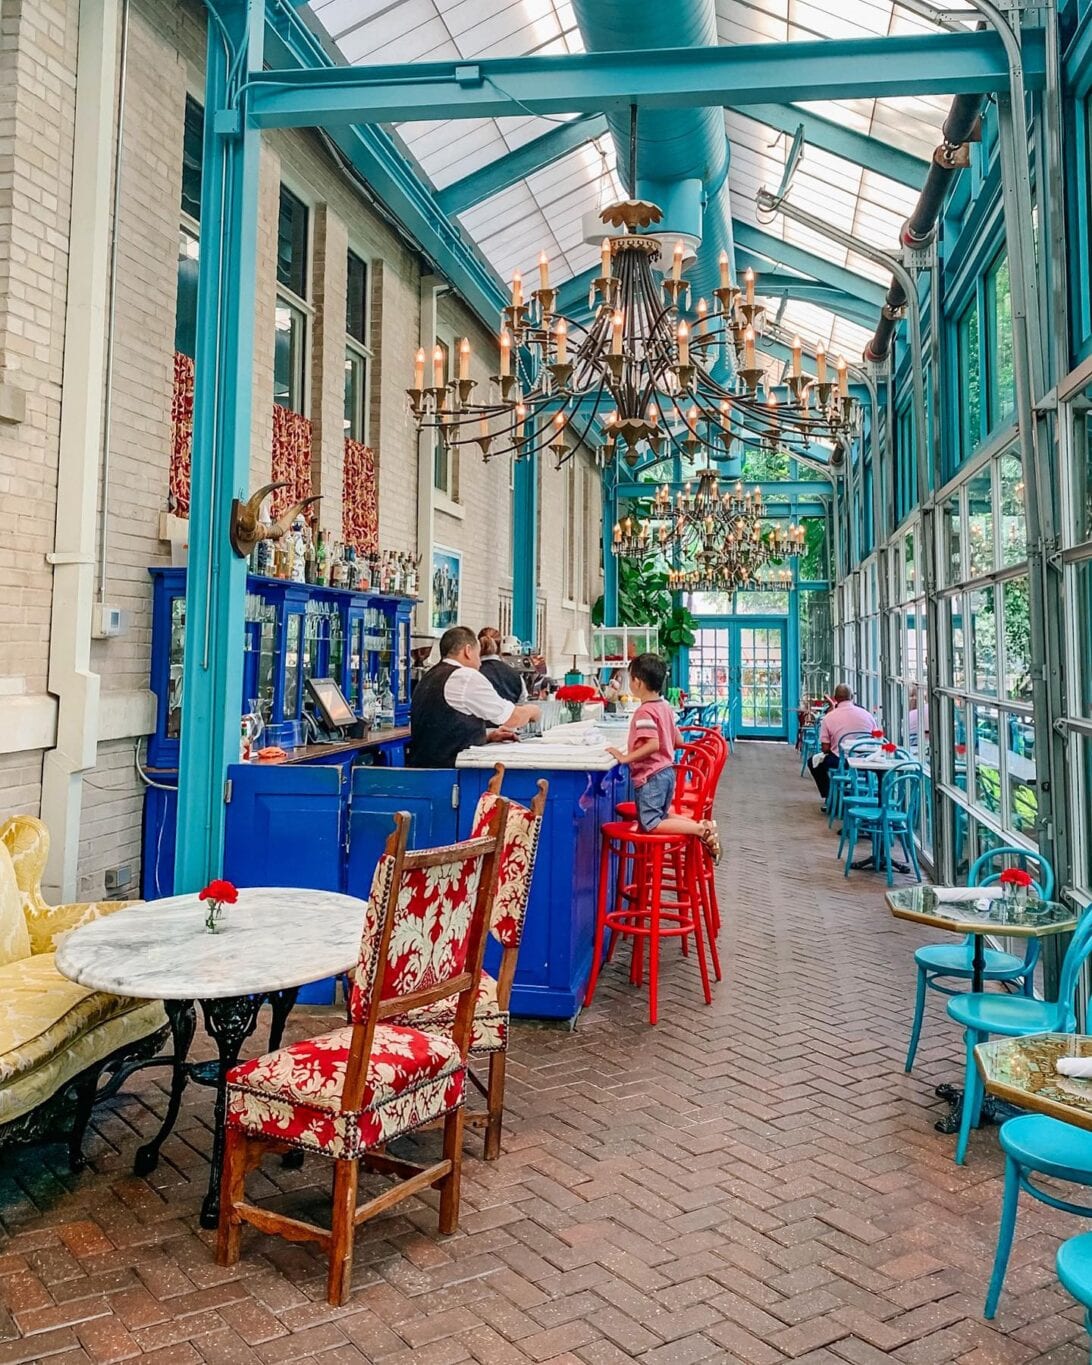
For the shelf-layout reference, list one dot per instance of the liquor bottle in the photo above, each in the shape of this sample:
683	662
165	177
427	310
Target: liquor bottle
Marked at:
384	574
264	553
320	560
309	564
385	712
411	587
364	573
350	568
396	574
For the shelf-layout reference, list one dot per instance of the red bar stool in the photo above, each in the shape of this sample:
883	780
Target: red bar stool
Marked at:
658	894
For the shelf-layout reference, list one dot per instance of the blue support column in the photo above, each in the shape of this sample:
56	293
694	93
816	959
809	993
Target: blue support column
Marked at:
610	559
216	578
525	549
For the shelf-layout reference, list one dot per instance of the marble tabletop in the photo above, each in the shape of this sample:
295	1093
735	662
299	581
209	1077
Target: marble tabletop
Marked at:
878	762
978	910
272	939
1021	1070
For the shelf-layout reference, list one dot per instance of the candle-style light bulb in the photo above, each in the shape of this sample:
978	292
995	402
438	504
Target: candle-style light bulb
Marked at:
438	367
820	362
419	368
749	349
543	270
616	334
676	262
797	352
517	290
703	308
561	336
842	370
604	258
464	358
725	282
749	280
505	353
617	533
684	343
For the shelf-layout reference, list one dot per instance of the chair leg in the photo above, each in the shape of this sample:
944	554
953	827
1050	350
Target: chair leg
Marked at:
656	885
972	1098
494	1102
449	1186
600	922
342	1229
1005	1230
919	1014
232	1192
1028	986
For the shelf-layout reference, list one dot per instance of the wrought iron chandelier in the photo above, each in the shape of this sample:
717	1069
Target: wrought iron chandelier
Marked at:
722	537
647	372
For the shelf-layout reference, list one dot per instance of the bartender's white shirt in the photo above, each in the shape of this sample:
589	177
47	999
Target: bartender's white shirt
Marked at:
472	694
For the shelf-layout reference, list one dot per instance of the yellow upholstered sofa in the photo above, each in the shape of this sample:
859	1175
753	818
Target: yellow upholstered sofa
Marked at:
56	1038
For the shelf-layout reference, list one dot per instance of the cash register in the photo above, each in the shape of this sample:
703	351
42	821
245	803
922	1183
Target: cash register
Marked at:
330	718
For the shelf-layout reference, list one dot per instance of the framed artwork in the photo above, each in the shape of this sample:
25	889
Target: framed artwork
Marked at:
447	571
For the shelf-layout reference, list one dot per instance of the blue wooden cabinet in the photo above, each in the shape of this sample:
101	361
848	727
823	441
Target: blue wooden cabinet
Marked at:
293	631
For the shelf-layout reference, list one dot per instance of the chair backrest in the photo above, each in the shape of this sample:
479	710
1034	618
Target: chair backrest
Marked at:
986	870
517	862
425	926
27	840
902	790
1080	945
856	746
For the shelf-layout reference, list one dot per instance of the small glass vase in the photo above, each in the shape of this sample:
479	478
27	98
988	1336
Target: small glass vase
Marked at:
1015	902
213	911
575	709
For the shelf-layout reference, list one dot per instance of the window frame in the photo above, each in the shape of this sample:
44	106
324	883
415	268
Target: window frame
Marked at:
299	307
360	352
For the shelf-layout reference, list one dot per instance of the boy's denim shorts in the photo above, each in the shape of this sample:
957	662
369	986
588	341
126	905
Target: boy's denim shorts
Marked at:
654	799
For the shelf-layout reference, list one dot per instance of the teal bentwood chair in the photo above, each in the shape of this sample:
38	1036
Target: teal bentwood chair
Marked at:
941	960
895	817
1035	1144
844	780
1074	1266
1013	1016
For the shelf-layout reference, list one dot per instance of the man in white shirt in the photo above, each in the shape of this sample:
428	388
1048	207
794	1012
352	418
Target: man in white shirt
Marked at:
844	718
454	706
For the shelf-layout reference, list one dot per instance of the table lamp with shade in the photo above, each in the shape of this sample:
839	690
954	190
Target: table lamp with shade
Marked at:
576	649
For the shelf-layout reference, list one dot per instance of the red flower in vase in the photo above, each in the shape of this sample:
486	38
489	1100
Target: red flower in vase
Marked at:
576	692
877	734
961	749
889	748
221	891
1015	876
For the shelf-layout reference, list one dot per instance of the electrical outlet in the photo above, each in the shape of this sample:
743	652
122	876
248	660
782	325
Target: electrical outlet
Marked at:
118	878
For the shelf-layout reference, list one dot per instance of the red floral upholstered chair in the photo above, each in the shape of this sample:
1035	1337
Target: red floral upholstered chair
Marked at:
490	1034
347	1094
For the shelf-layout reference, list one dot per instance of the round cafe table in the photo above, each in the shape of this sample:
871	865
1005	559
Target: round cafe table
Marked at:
881	764
271	942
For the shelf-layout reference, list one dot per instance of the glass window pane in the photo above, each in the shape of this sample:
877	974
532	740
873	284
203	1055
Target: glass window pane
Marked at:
1002	370
1014	548
980	523
969	380
983	642
813	562
185	318
987	759
910	568
1079	614
192	158
951	621
292	244
1016	634
288	357
1082	472
951	558
1020	762
355	365
356	299
1082	860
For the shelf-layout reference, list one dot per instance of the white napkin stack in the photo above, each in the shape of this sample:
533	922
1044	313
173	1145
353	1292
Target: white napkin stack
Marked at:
1074	1066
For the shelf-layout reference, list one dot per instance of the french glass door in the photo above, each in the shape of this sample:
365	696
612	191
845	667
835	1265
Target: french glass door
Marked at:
742	663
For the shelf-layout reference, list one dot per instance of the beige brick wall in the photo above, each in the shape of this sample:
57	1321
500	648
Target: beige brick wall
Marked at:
37	79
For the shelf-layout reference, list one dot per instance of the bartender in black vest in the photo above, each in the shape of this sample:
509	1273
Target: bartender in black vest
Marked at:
454	706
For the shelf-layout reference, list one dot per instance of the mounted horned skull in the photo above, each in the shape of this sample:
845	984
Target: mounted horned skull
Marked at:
247	528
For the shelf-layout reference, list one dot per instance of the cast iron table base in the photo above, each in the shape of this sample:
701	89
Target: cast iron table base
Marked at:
869	865
229	1022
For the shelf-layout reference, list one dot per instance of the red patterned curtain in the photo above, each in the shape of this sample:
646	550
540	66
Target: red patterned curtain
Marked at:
181	434
291	458
359	499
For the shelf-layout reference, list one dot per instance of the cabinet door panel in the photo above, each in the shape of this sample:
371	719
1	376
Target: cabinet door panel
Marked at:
377	794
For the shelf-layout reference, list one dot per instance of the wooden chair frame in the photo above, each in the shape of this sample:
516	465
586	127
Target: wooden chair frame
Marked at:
243	1151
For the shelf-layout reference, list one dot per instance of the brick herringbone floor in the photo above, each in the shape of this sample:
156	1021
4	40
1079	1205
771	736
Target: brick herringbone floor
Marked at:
755	1181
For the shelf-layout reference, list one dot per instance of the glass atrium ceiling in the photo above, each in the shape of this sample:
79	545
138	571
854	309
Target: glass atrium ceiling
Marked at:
546	210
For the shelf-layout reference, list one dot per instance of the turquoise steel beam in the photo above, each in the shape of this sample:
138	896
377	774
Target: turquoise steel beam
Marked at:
604	82
610	559
517	165
760	243
839	140
525	549
291	48
212	686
